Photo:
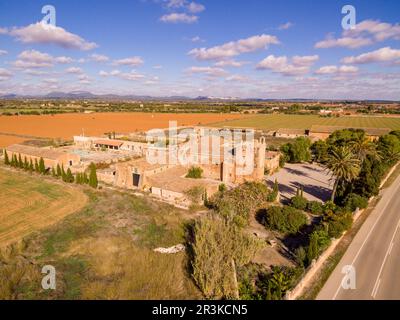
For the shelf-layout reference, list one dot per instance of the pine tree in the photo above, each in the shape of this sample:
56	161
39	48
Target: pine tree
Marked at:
42	167
93	182
6	159
37	169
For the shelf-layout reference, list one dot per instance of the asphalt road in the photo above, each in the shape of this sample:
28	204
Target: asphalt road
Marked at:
374	253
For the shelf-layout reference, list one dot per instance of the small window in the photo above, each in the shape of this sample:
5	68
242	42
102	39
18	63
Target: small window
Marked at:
70	163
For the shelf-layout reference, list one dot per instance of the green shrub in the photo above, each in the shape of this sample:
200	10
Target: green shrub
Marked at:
315	207
195	173
337	223
285	219
354	201
299	202
238	204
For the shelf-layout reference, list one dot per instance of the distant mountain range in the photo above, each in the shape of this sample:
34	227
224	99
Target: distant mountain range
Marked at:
85	95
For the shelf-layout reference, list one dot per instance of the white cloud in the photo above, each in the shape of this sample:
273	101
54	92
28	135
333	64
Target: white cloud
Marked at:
132	61
237	77
197	39
5	74
345	42
336	70
380	31
64	60
234	48
305	60
285	26
74	70
99	57
133	75
44	33
178	18
194	7
3	30
300	64
209	71
230	63
385	54
157	66
103	73
365	33
3	52
33	59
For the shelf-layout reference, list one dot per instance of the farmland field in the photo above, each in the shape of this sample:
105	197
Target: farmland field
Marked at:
28	204
67	125
276	121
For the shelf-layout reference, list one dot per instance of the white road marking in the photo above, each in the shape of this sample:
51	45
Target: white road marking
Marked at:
375	290
384	260
366	239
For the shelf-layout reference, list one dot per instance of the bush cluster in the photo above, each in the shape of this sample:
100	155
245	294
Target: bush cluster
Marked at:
284	219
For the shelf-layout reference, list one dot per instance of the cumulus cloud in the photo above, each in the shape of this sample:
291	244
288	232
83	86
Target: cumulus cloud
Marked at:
3	52
337	70
365	33
230	63
133	75
74	70
209	71
99	57
285	26
179	18
346	42
194	7
63	60
33	59
234	48
299	64
43	33
386	54
132	61
5	74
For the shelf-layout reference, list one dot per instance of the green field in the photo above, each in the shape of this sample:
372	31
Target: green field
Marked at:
276	121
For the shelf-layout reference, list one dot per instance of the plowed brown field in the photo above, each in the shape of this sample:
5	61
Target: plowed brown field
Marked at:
67	125
28	204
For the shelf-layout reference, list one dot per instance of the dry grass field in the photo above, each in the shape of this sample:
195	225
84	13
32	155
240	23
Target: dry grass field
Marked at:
28	204
103	251
276	121
65	126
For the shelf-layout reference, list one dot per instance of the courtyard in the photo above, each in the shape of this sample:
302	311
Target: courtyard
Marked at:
315	180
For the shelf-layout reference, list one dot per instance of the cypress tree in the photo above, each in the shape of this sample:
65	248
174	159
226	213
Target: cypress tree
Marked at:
6	159
53	172
63	174
20	162
78	178
93	182
31	165
42	167
85	179
26	164
58	172
37	169
14	160
70	177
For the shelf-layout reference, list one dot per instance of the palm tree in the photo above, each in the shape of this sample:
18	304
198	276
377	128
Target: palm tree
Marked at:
344	166
363	147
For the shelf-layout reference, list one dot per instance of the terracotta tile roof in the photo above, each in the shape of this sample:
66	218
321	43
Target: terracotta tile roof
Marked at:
36	152
106	142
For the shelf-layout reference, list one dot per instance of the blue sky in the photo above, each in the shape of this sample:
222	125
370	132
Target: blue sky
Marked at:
253	48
